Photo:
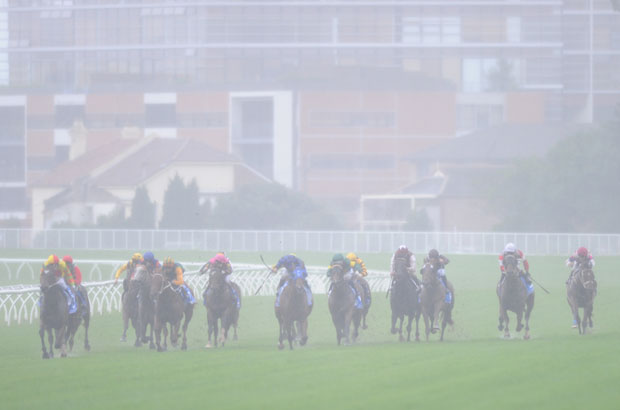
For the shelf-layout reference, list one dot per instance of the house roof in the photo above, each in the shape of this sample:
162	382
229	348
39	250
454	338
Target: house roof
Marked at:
426	187
500	143
158	154
81	167
84	194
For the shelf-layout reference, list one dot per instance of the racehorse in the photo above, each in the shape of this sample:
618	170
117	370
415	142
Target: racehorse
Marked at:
54	314
433	301
146	308
130	310
404	301
512	295
170	307
341	301
293	310
221	306
580	293
75	319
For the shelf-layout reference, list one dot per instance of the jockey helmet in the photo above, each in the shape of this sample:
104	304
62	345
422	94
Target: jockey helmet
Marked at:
403	248
582	251
149	257
51	260
136	257
433	254
221	258
168	262
67	259
338	258
351	256
510	248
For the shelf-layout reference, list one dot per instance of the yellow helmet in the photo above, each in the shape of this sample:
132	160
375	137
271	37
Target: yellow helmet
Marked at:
168	261
351	256
52	259
136	257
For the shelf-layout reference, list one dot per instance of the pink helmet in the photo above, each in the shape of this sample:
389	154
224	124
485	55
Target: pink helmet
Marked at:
219	258
582	251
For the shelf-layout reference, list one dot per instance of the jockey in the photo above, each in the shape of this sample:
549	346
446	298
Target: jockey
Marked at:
130	267
581	259
439	262
65	279
294	267
222	263
173	271
357	264
219	261
511	249
76	273
404	253
349	275
148	259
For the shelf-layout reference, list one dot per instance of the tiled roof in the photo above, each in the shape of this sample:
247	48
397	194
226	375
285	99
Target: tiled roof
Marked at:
81	167
158	154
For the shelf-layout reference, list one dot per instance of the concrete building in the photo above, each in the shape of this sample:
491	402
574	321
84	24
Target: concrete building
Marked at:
328	97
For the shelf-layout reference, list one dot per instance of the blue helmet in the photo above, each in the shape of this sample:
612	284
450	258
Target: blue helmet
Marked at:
148	256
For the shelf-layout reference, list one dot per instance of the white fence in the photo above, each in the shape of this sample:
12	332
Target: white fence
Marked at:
19	303
482	243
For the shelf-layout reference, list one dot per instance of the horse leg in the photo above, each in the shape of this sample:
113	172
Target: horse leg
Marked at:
417	327
500	326
304	332
86	325
393	329
189	312
519	321
528	310
61	336
158	329
42	336
281	338
427	328
151	341
410	317
125	324
507	323
444	322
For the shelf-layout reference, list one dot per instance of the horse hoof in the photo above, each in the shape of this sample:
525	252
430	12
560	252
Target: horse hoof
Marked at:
303	341
364	327
46	356
393	330
208	346
152	346
63	354
184	346
161	349
87	347
506	335
123	338
280	347
526	337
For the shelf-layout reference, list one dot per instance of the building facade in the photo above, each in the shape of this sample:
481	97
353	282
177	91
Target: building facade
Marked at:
326	97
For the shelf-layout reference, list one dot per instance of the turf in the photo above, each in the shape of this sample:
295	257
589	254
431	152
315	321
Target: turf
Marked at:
474	368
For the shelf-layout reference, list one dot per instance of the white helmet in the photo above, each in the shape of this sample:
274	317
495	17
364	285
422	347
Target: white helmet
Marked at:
510	247
403	248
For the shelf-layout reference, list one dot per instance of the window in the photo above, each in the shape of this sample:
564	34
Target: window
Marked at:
66	115
12	199
160	115
13	163
353	119
12	127
351	161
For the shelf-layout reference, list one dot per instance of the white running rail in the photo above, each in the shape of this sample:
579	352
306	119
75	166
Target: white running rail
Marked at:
19	303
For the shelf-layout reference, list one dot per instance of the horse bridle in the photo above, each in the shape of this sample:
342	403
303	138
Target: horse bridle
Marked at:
163	287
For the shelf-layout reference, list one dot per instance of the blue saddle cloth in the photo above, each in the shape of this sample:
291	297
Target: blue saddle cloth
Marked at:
530	287
70	300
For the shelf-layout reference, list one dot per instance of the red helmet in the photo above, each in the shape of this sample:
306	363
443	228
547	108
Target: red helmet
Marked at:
583	252
67	259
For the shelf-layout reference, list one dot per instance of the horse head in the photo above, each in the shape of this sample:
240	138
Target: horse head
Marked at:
429	275
157	285
337	274
512	266
48	278
217	279
400	269
586	277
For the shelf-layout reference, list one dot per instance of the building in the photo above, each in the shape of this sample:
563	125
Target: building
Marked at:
328	97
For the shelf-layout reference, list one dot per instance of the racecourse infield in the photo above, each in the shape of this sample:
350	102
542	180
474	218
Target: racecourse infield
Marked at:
474	368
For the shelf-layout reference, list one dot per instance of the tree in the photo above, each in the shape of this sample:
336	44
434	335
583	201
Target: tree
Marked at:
269	206
114	220
142	210
574	188
181	208
418	220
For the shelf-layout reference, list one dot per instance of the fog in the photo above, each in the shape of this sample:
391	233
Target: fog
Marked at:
391	116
